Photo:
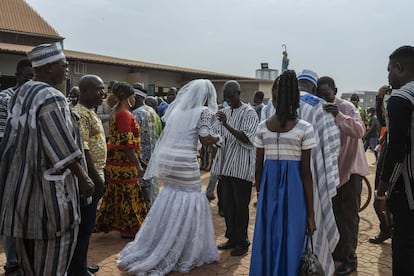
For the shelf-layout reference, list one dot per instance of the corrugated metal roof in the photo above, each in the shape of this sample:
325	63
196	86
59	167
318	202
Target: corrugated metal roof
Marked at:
94	58
19	16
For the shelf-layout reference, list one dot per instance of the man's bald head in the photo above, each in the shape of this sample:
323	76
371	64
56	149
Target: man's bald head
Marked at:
88	80
231	86
92	91
231	93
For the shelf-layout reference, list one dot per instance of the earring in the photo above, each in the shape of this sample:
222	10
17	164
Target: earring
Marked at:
129	102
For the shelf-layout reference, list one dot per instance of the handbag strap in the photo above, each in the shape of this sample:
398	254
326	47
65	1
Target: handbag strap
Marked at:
309	237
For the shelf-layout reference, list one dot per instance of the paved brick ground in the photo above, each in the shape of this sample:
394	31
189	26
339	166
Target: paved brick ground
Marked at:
373	259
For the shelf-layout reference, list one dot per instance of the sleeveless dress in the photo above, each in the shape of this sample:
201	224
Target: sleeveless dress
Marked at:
178	232
281	218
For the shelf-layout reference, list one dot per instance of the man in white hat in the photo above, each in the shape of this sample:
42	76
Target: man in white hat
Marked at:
324	166
42	176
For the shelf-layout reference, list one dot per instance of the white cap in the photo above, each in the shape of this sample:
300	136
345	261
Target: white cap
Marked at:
45	53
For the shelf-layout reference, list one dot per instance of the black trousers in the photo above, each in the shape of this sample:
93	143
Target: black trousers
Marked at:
219	195
402	232
346	207
79	263
385	221
235	195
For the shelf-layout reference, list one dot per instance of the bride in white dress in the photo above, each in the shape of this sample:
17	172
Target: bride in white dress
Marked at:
178	233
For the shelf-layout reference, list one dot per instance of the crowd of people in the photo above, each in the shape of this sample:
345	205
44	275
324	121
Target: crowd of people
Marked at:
116	159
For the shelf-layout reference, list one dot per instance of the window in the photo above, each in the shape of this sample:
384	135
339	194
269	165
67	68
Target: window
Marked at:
80	68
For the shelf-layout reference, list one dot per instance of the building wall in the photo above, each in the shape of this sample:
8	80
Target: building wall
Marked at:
8	63
247	90
160	81
106	72
266	87
164	79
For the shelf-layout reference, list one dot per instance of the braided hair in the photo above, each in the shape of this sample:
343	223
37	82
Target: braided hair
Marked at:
288	97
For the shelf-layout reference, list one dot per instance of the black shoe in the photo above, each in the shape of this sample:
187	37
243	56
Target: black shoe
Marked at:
12	270
226	245
346	268
93	268
380	238
239	250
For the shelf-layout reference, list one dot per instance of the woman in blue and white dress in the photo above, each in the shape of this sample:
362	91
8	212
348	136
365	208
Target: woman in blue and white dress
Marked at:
178	233
284	181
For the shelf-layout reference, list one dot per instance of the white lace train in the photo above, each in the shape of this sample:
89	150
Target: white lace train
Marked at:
177	234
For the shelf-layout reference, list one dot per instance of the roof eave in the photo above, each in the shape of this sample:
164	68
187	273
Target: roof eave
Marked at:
32	34
97	59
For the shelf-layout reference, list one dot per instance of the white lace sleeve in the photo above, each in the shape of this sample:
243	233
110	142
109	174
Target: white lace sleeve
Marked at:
205	124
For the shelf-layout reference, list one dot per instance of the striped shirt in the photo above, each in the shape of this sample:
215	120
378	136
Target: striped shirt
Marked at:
40	195
267	111
285	145
5	96
399	156
237	159
325	175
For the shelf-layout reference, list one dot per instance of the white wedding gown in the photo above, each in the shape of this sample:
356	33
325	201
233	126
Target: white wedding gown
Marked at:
178	232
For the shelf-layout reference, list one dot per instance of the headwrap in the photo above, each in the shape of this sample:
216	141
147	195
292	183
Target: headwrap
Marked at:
45	53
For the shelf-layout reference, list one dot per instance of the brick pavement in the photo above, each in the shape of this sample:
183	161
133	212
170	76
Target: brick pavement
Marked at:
373	259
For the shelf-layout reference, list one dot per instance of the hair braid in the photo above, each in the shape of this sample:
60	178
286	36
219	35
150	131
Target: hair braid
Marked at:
288	97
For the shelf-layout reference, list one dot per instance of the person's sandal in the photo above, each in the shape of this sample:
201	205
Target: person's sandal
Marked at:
380	238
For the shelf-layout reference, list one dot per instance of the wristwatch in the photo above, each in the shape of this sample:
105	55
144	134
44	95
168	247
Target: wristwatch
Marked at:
379	197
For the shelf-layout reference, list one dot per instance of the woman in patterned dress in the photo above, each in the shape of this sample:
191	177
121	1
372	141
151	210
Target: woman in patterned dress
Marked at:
122	207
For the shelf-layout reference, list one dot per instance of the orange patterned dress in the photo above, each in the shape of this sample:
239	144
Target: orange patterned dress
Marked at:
122	207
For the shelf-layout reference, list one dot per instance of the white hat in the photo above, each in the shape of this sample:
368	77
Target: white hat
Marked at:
308	75
140	93
45	53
